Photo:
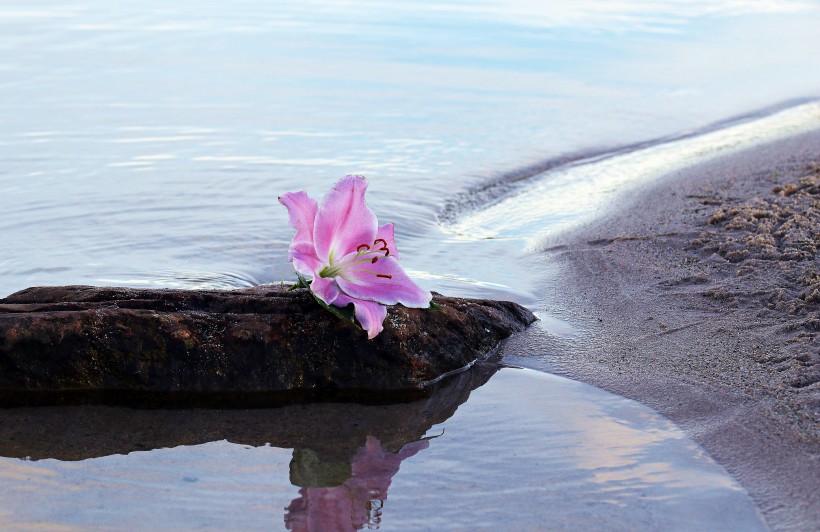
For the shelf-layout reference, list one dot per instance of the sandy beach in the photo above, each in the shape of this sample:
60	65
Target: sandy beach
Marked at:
700	297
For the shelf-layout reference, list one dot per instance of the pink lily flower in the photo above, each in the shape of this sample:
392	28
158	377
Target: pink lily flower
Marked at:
349	257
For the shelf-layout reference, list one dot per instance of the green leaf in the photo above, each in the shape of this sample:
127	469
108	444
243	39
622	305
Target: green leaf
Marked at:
346	313
435	308
303	282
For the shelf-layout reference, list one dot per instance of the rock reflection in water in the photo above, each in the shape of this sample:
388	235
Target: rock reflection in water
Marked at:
333	430
343	462
528	450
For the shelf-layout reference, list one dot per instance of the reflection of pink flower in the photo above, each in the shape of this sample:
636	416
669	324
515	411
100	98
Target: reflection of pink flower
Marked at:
349	257
356	502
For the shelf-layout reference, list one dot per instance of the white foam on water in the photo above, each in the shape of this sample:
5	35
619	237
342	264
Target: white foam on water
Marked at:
571	195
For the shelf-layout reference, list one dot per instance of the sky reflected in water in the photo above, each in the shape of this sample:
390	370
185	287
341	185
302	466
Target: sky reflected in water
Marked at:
527	450
146	144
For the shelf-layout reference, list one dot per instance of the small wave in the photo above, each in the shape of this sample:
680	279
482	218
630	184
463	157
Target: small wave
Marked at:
188	279
544	199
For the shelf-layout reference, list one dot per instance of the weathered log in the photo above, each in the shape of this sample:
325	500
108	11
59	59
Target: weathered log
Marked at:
262	345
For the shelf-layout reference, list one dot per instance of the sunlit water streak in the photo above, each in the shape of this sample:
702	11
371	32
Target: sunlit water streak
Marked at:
589	186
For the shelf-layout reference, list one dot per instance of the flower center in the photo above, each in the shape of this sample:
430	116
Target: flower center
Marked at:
364	253
379	245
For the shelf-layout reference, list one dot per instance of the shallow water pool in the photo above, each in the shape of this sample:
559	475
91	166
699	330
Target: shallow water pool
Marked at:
527	451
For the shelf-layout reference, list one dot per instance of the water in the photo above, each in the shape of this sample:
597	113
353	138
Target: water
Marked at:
533	213
145	145
527	451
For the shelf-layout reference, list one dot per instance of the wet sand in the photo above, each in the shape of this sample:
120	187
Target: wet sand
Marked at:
700	297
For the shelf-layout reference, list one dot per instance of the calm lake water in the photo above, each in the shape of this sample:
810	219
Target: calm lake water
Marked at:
528	451
145	145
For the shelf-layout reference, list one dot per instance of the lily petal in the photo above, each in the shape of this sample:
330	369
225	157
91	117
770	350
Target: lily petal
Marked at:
326	289
386	233
301	214
304	259
383	281
369	314
343	221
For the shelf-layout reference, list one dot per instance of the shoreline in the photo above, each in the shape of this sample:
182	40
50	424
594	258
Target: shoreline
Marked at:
700	297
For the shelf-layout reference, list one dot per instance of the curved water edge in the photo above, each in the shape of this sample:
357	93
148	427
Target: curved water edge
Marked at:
527	448
484	244
516	181
528	208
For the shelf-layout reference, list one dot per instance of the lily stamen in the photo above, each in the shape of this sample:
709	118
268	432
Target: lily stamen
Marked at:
384	246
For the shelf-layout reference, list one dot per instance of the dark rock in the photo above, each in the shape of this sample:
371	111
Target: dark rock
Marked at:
256	346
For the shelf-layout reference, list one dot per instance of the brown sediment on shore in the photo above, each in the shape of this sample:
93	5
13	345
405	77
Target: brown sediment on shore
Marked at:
700	297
